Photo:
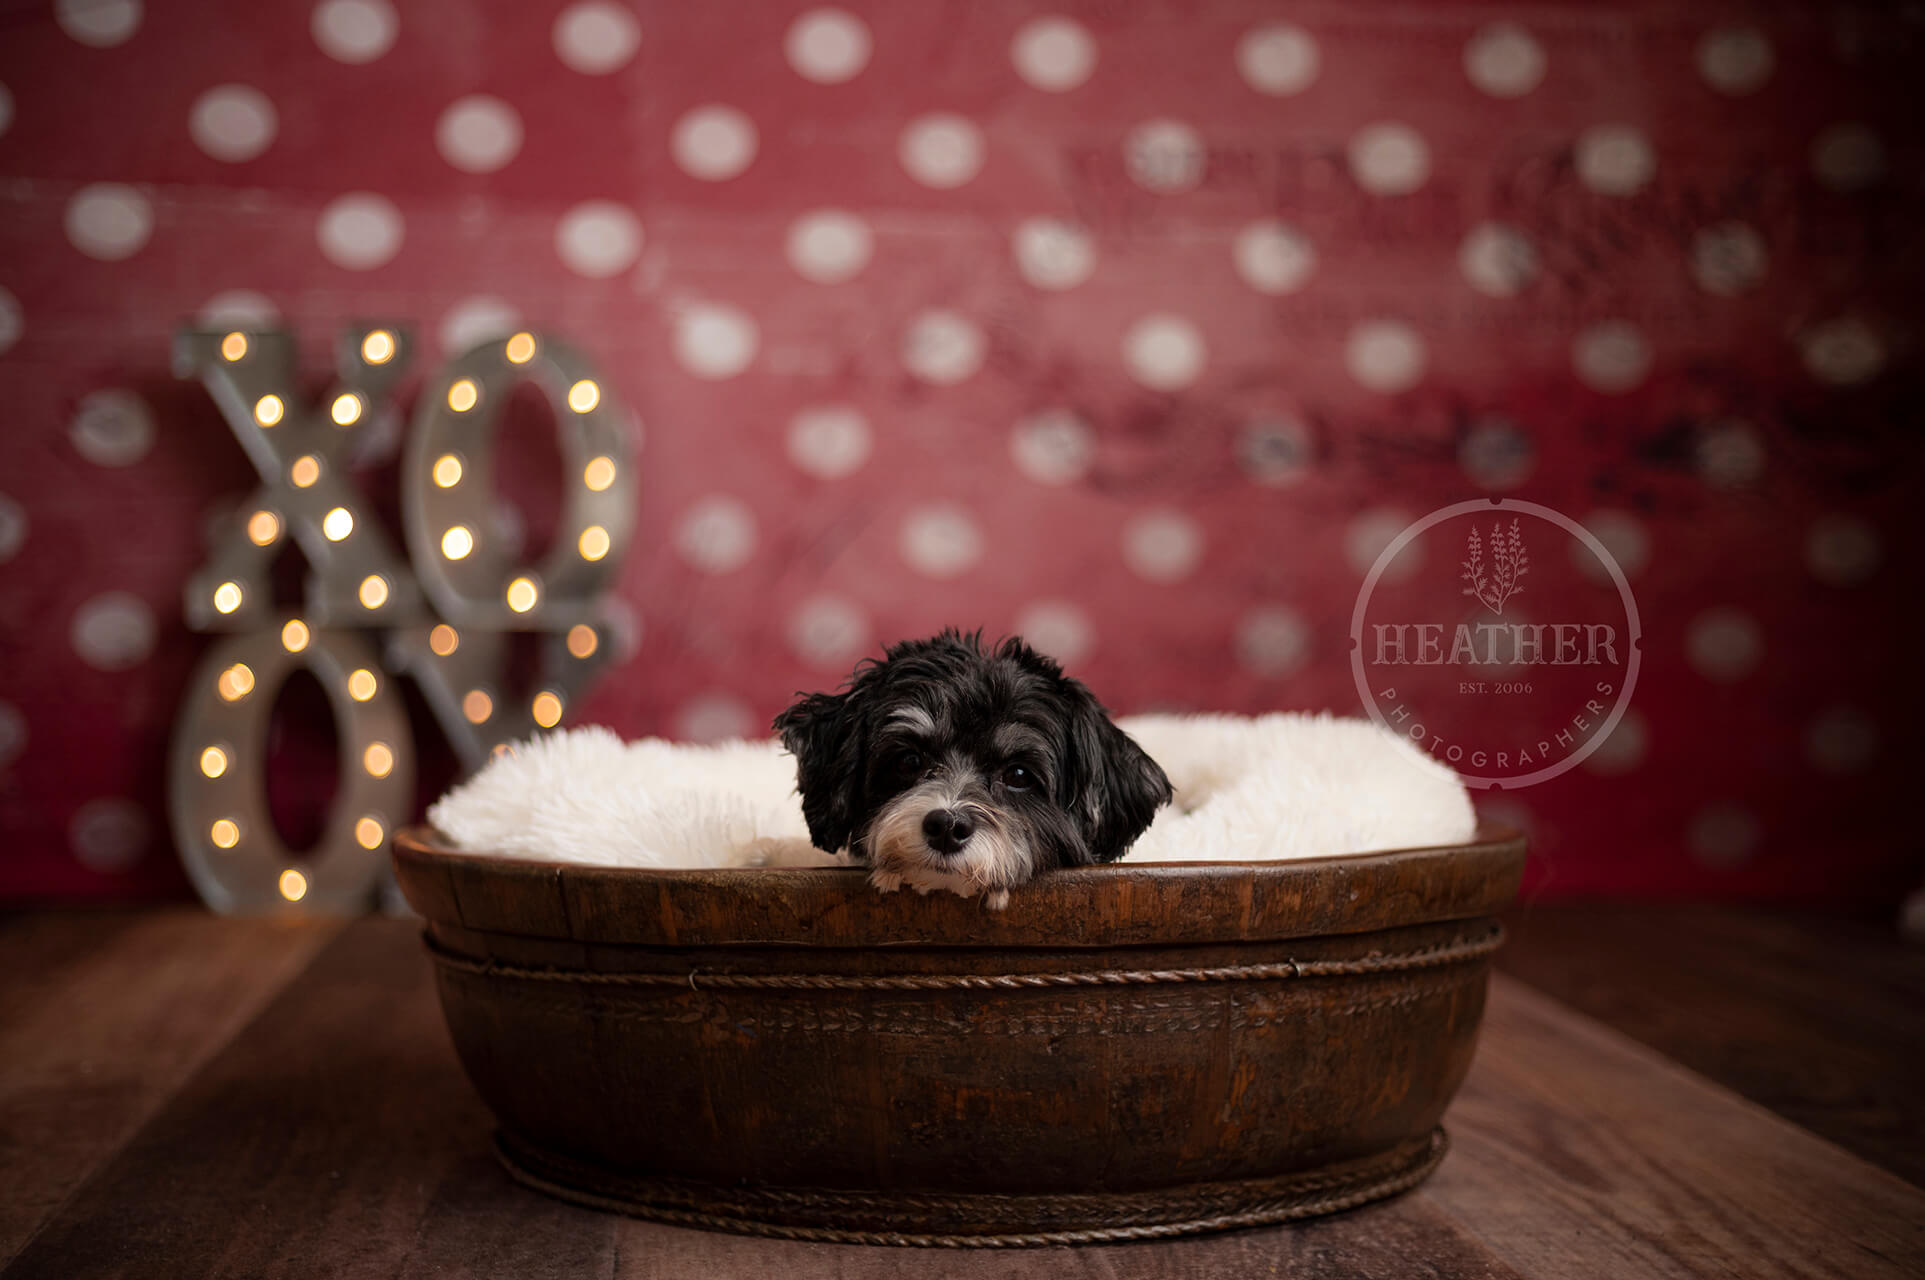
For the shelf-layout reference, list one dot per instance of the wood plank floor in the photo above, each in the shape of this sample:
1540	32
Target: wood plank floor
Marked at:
1657	1093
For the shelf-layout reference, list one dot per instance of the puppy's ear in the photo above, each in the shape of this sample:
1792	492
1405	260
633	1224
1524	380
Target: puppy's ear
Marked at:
1115	788
822	732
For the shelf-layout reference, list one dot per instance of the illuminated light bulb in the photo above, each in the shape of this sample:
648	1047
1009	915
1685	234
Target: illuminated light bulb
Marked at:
594	542
337	524
213	762
599	473
227	597
374	591
378	347
501	749
263	527
293	885
444	640
583	396
347	409
447	471
269	410
523	595
547	709
457	542
362	684
294	635
225	833
582	640
236	682
477	706
305	471
378	759
521	348
233	347
369	833
463	395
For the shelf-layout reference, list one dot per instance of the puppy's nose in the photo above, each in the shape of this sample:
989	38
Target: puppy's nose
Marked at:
946	830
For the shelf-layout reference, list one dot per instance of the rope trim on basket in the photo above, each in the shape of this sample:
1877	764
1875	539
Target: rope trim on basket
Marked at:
1377	962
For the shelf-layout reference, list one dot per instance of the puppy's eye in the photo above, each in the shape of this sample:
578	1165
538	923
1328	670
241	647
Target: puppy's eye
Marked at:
1017	778
909	763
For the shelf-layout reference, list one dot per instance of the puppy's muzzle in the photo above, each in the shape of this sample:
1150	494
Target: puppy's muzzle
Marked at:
947	830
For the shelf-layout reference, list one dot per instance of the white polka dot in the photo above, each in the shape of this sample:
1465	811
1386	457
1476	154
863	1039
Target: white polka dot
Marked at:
829	246
1164	352
360	231
1728	259
98	23
109	221
1496	454
13	528
112	428
1735	60
1370	533
1730	456
829	442
1625	541
1723	836
1273	257
1276	453
943	347
113	631
1623	751
1389	159
596	38
1272	640
1164	156
715	341
1500	811
1278	59
473	321
1848	157
1162	546
1054	447
828	631
1057	628
1723	645
6	109
239	309
1498	260
717	534
625	628
1052	254
12	321
715	717
13	734
506	529
598	239
1611	356
1386	355
1053	54
1615	160
1842	740
940	541
233	122
1843	352
109	836
828	46
941	150
354	31
1504	60
478	133
714	142
1841	551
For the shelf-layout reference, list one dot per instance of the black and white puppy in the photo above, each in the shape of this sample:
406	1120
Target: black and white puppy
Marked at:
948	766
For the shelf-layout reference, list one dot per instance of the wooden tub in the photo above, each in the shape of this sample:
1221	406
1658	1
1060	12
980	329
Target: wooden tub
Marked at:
1126	1052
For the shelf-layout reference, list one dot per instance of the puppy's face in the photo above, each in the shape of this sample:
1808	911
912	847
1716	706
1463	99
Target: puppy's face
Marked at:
948	767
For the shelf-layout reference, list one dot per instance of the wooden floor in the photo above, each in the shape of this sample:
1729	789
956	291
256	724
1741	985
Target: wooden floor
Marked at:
1676	1092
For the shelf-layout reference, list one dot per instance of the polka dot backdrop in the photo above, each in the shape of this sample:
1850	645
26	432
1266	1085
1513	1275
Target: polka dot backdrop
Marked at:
1139	329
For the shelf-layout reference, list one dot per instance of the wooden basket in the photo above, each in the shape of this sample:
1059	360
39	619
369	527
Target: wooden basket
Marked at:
1126	1052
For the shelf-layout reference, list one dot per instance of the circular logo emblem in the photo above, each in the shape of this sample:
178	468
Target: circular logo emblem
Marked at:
1499	636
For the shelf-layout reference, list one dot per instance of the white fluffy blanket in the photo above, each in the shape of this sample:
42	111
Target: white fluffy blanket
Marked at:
1276	786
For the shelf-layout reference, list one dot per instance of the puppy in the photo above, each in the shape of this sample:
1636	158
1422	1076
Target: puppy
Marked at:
946	766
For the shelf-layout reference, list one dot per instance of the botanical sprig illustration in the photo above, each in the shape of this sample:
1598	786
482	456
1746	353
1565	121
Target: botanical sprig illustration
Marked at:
1508	564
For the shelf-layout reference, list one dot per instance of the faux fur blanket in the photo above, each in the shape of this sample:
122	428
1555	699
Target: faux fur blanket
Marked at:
1247	789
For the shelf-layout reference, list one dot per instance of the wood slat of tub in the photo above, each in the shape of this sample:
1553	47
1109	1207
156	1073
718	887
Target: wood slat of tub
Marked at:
102	1017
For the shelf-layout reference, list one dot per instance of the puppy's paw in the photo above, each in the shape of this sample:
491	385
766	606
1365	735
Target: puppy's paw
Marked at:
885	881
996	899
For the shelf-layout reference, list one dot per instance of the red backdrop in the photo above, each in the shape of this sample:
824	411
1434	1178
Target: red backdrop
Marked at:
1137	327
